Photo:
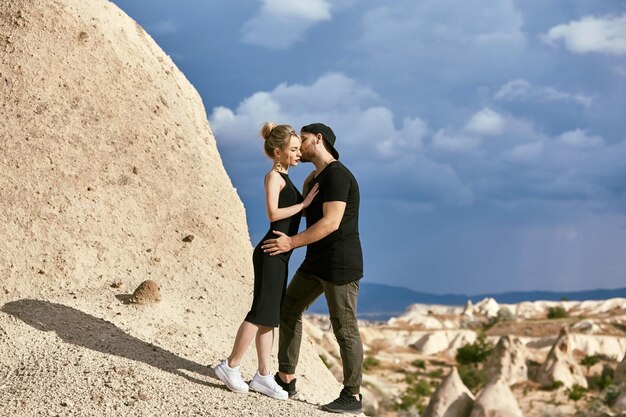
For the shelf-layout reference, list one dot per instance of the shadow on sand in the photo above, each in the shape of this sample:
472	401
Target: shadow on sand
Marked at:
82	329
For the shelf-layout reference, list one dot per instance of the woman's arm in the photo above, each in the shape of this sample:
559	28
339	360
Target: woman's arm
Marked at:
274	183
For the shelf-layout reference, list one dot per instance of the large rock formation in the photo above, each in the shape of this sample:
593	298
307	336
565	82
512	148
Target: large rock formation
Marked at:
108	168
508	361
488	307
432	343
459	340
560	364
418	319
496	400
108	159
451	399
596	344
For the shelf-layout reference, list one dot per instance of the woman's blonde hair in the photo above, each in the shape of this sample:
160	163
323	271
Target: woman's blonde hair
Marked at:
276	137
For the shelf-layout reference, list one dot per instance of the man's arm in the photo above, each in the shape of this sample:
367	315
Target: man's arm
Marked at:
332	214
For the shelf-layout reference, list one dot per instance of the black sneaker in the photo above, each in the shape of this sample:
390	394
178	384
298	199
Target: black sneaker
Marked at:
289	387
346	403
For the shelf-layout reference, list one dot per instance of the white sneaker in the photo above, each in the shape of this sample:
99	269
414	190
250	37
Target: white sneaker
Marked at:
268	386
231	377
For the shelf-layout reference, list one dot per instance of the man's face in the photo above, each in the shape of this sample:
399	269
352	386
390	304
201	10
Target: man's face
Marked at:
307	148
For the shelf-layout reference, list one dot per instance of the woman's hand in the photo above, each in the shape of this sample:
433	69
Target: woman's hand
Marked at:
310	196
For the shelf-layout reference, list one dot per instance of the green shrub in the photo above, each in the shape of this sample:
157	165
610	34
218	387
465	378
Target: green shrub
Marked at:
436	373
611	395
604	380
576	392
370	363
556	385
410	378
415	396
588	361
505	314
472	376
607	373
533	368
419	363
600	384
469	357
557	312
474	353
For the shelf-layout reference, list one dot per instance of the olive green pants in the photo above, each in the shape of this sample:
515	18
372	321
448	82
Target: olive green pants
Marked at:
341	299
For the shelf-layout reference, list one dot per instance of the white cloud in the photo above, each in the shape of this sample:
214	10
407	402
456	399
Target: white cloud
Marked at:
579	139
333	98
281	23
313	10
605	35
236	128
366	134
454	165
523	90
469	139
333	91
347	106
408	139
486	122
450	141
528	152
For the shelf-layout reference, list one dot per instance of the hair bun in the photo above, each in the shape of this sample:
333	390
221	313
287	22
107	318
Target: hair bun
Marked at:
266	130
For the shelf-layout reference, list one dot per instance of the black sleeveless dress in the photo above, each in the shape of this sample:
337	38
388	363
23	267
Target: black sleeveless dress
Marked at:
270	272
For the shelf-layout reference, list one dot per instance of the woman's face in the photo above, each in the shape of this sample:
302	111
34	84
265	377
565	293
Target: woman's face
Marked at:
290	154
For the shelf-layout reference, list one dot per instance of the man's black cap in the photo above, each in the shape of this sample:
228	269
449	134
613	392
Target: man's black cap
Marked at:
327	134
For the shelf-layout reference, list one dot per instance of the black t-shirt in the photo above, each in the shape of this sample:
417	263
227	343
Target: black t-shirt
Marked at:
337	257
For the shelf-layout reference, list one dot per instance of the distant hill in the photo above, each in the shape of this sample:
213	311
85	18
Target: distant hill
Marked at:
380	302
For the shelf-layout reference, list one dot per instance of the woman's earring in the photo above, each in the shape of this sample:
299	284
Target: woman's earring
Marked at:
278	166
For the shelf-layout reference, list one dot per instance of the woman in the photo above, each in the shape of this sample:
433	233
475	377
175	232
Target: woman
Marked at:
284	208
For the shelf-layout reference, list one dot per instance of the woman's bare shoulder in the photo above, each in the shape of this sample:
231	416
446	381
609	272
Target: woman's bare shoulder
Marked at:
273	176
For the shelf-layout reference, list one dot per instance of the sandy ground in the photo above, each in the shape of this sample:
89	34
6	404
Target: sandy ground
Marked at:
70	356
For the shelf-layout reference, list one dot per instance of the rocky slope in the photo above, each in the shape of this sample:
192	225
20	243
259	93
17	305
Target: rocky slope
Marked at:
110	177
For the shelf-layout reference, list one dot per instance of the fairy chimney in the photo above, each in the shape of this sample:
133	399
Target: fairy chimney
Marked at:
451	399
496	400
560	364
508	361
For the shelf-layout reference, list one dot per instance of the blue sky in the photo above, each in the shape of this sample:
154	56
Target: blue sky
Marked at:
488	137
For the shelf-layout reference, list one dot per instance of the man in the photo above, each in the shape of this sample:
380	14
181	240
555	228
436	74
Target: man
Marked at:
333	266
